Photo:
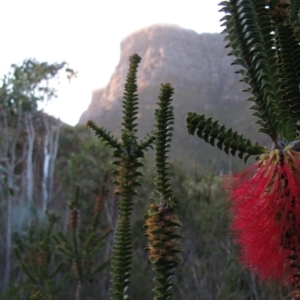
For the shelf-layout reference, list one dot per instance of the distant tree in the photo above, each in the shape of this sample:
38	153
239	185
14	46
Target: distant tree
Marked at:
22	90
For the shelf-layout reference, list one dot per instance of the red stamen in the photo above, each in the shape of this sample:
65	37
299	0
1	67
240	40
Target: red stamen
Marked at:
266	223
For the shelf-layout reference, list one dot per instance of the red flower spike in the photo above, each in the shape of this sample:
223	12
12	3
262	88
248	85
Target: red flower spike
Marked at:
266	223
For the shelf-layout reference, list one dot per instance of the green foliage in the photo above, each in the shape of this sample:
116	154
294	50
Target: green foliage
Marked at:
249	27
21	91
162	225
38	261
294	13
27	84
83	248
103	135
146	142
37	296
209	267
264	38
163	136
47	256
288	54
210	130
130	103
82	160
127	154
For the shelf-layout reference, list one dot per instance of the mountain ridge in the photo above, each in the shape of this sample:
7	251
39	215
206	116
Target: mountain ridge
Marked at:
198	67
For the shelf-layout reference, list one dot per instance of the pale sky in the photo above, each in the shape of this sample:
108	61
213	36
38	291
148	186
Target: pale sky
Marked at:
87	35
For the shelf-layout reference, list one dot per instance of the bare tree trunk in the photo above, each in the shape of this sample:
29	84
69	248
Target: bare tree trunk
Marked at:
29	161
50	152
45	166
7	255
55	132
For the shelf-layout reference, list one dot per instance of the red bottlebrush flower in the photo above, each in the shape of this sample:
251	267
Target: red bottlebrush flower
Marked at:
266	223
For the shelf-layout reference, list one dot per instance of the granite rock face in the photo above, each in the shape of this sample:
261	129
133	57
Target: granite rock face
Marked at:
197	66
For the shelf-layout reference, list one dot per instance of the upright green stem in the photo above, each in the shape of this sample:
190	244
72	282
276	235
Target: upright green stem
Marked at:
162	222
127	153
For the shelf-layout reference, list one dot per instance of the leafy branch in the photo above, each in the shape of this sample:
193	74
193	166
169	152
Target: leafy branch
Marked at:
82	249
127	155
228	140
162	225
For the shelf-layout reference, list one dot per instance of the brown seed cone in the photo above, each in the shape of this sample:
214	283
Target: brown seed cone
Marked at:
42	259
73	219
170	217
170	258
162	231
32	256
99	203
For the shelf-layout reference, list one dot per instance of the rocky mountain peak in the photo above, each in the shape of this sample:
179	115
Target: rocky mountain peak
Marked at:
198	67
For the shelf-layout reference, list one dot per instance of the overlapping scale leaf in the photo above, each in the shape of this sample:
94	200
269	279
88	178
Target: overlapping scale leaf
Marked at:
130	102
121	263
227	140
147	142
250	34
104	135
239	49
163	231
162	225
127	154
294	14
163	136
288	50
